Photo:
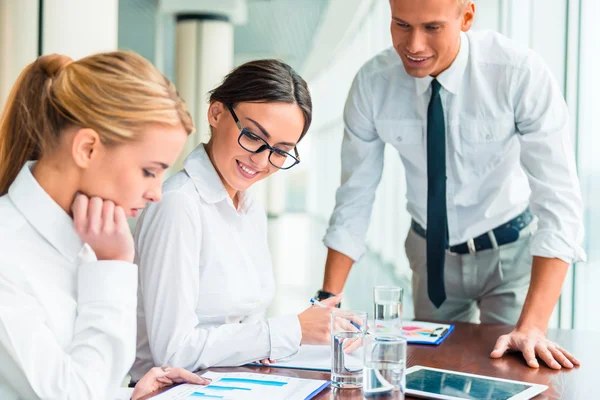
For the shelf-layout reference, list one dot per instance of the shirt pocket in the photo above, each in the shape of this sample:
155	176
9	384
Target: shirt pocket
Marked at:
478	131
408	139
406	136
482	144
399	133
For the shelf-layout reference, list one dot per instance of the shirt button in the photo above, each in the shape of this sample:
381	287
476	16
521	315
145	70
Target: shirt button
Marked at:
488	136
399	138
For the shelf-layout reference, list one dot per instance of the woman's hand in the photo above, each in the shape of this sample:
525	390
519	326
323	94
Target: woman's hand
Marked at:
315	322
159	377
103	226
267	362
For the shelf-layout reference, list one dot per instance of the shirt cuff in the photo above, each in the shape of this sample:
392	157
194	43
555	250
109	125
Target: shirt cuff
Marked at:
108	281
285	334
341	240
550	244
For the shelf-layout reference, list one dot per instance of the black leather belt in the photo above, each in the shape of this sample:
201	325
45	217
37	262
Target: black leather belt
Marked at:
504	234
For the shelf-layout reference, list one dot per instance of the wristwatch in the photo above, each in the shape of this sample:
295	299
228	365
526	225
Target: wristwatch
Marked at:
323	294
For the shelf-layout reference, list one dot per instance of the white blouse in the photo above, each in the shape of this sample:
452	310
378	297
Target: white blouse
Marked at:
206	278
67	320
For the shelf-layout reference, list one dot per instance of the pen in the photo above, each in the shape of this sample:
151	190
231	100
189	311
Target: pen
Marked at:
317	303
434	333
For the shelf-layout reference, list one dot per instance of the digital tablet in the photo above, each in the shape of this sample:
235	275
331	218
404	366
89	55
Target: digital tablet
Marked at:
433	383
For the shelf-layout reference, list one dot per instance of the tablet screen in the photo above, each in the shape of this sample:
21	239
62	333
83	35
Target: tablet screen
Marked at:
461	386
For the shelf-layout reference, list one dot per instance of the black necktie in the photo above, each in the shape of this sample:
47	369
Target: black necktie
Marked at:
437	225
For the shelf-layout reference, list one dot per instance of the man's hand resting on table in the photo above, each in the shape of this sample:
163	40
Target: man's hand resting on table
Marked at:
532	342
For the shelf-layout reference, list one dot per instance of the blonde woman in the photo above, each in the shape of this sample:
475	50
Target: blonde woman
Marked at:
83	146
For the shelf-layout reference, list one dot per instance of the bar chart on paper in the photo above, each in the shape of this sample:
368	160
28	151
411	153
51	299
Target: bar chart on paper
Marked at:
247	386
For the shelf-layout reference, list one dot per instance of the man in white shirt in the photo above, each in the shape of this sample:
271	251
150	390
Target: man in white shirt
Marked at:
482	130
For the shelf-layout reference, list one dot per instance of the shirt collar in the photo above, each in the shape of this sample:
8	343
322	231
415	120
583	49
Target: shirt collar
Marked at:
208	182
44	214
451	78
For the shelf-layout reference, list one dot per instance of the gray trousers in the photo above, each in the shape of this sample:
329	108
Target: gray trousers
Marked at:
488	287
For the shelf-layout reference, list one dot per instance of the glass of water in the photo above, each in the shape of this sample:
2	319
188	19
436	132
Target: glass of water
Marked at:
388	310
385	362
347	334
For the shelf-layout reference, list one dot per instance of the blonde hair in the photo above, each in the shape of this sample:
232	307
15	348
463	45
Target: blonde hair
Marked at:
116	94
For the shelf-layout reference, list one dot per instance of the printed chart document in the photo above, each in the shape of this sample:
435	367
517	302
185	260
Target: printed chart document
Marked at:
419	332
316	358
247	386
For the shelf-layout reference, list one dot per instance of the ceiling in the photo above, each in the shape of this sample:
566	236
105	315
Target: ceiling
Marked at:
279	28
283	29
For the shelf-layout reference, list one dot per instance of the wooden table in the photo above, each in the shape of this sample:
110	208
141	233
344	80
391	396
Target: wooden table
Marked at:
467	349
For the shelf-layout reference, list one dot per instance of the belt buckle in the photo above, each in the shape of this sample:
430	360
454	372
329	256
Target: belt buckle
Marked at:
471	246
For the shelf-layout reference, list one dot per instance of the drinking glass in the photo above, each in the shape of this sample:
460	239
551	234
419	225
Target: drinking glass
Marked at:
347	332
387	317
384	366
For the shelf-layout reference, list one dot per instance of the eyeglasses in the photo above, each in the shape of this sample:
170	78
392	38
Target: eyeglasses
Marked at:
255	144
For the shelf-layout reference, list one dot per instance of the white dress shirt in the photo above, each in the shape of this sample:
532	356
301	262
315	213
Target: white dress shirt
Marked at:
67	320
508	145
206	278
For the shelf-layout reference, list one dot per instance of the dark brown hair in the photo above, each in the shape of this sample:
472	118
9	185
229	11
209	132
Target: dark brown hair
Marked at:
265	81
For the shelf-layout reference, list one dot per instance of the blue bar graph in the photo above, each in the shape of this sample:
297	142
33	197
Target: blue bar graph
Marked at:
216	387
206	396
252	381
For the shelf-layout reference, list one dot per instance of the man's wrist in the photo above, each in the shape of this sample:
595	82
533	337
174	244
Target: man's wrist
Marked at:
528	326
323	294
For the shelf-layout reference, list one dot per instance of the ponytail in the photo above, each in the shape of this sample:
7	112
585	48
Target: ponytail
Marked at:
29	124
117	94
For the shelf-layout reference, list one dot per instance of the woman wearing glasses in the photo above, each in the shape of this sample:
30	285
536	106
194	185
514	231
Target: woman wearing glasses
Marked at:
205	268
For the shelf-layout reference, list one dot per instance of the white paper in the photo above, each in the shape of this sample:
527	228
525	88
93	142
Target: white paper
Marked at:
124	393
245	386
316	358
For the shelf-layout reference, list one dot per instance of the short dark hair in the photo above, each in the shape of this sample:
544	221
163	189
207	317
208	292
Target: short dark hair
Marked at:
265	81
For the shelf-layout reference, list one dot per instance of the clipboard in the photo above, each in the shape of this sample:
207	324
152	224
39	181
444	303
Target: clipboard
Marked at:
419	332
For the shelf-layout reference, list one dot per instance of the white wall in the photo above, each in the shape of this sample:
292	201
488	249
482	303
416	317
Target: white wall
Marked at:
74	28
587	275
79	28
18	41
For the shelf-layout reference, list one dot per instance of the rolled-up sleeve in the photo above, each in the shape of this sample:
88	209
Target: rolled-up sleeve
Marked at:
548	158
362	165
